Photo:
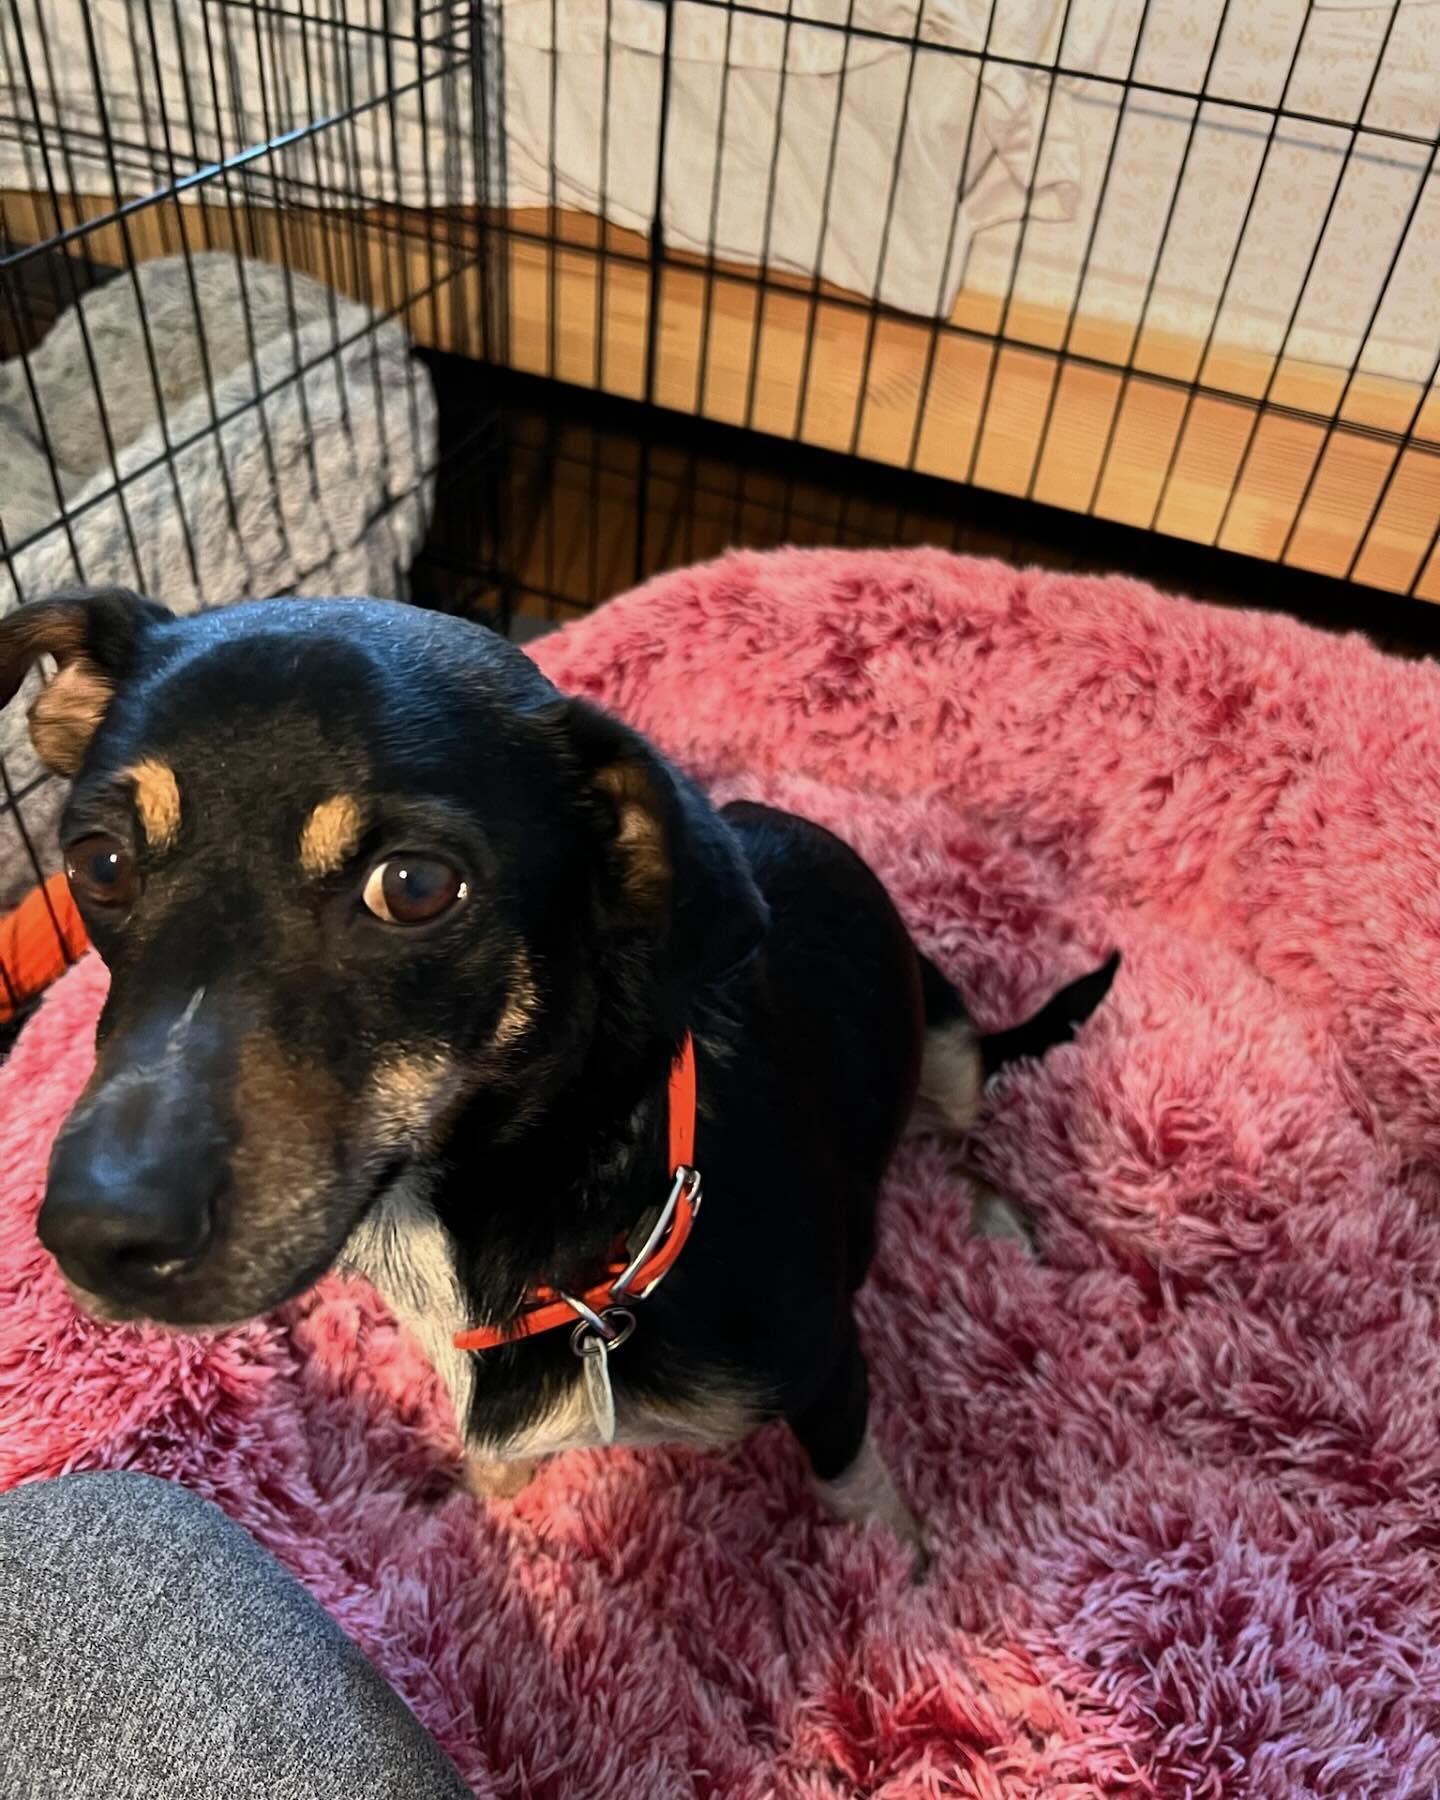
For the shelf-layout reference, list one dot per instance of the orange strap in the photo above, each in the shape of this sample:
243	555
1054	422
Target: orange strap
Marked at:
38	942
545	1309
682	1101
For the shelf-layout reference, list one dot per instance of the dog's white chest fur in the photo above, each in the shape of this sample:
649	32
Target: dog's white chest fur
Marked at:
404	1251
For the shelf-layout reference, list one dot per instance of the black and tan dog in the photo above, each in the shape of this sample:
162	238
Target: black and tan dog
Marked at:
421	967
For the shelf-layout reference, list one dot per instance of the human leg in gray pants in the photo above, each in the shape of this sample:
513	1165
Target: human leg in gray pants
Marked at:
150	1648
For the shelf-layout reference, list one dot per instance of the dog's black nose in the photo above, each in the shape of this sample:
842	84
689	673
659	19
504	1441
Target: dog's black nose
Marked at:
128	1206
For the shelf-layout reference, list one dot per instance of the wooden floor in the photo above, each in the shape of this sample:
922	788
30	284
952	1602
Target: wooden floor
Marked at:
1291	463
591	513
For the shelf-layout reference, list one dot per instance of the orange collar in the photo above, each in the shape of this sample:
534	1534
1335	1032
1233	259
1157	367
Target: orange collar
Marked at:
628	1278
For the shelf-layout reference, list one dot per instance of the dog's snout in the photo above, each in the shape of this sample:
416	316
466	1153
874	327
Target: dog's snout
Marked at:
131	1199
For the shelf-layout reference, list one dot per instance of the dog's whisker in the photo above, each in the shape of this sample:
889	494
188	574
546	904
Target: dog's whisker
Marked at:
175	1037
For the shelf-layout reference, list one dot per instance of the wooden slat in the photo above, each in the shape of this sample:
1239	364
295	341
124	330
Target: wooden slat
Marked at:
1347	485
1406	523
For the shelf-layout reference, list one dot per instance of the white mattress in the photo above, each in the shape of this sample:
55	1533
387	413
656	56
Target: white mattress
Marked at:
1382	194
790	142
755	107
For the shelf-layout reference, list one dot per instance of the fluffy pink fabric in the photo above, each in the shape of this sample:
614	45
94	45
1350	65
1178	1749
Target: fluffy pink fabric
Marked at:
1183	1473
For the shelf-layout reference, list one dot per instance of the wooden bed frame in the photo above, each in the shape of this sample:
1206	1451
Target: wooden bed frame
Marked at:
1074	415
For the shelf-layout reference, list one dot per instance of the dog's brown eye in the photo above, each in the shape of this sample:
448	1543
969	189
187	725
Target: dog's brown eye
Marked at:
412	890
101	870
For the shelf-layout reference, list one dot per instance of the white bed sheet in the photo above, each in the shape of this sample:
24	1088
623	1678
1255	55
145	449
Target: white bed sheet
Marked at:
789	142
750	96
734	117
1362	197
752	116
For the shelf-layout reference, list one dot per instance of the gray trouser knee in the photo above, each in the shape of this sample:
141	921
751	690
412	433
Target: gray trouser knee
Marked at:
150	1647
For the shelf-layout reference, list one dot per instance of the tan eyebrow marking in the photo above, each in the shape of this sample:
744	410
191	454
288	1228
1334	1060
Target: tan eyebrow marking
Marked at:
157	800
331	835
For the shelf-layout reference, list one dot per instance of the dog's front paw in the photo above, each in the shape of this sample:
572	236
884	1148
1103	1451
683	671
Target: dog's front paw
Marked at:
866	1494
996	1216
490	1480
922	1556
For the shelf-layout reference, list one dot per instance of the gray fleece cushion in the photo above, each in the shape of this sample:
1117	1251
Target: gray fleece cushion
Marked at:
290	449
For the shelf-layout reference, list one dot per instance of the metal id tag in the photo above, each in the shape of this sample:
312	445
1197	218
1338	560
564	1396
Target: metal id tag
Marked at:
595	1361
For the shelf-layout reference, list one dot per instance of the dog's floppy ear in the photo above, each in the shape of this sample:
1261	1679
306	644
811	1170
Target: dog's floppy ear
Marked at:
92	634
676	870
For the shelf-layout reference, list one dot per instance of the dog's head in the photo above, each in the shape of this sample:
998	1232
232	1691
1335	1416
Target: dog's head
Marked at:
357	871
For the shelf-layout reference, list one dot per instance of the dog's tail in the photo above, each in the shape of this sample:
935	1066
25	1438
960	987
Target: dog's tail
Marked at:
959	1061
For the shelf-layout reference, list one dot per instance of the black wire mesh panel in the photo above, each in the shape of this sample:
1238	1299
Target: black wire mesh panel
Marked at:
222	228
1165	262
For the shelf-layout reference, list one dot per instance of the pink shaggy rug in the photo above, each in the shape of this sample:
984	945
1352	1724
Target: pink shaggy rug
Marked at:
1184	1473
